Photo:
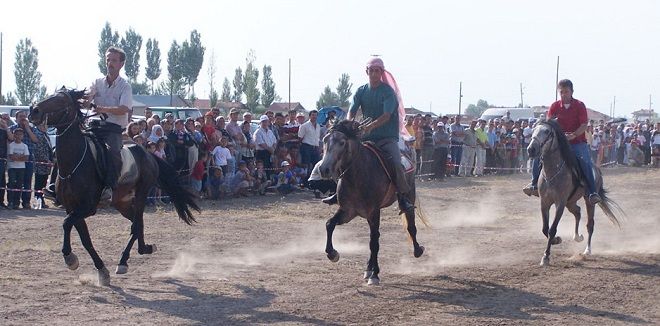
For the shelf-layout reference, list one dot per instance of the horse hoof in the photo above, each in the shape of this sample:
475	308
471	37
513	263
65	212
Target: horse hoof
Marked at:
104	277
333	256
578	238
373	281
556	240
587	252
71	261
367	274
121	269
418	252
545	261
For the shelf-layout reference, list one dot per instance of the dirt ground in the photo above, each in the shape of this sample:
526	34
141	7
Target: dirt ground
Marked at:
261	260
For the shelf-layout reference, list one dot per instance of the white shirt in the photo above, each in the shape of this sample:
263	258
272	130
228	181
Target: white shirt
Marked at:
14	148
221	155
310	133
264	136
119	93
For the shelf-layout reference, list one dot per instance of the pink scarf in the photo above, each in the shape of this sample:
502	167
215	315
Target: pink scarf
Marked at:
389	80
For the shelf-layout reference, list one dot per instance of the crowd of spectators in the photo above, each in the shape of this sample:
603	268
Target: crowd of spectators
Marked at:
222	157
445	147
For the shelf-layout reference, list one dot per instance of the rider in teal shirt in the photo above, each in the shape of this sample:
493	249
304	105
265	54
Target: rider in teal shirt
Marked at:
374	102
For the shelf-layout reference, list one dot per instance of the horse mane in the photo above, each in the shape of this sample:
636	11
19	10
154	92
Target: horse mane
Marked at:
349	128
564	147
75	96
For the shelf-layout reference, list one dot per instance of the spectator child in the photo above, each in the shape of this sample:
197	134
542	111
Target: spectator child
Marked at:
285	179
216	183
138	139
160	148
221	155
17	153
261	181
198	173
240	182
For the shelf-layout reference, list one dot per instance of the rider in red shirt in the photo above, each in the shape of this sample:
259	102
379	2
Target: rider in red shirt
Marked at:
571	114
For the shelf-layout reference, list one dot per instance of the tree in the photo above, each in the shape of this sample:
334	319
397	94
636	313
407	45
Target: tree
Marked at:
477	110
142	88
192	58
26	72
10	99
175	82
251	82
327	98
131	43
226	91
153	62
107	40
210	71
344	90
268	87
238	85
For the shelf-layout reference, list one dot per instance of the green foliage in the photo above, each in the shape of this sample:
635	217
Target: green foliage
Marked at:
107	40
344	90
171	88
10	99
26	72
211	70
175	81
153	62
131	43
238	85
226	91
192	58
251	81
327	98
268	87
142	88
213	98
477	110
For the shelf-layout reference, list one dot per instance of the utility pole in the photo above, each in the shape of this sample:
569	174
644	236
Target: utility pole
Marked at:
650	103
289	84
557	79
614	106
522	104
460	97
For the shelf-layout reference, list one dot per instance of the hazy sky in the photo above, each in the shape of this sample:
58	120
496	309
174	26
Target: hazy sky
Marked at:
608	48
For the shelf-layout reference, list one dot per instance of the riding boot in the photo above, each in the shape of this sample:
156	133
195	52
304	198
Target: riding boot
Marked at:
532	188
49	191
404	204
330	200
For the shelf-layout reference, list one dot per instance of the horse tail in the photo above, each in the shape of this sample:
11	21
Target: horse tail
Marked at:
609	206
182	199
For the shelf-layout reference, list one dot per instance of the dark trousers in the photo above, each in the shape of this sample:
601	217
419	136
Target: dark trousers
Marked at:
27	182
110	134
456	153
309	156
490	160
39	184
15	182
3	180
440	162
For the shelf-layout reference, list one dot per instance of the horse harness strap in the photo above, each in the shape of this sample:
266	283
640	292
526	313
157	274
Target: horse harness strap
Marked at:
372	147
82	158
561	167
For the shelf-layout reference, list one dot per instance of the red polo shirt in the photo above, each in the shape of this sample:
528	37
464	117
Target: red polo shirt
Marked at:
570	119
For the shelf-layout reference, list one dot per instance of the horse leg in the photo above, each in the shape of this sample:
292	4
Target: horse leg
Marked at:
412	231
545	216
575	210
333	255
83	232
374	246
70	259
122	267
590	227
552	240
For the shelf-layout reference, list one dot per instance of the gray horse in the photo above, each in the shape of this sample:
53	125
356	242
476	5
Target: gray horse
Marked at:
364	188
562	184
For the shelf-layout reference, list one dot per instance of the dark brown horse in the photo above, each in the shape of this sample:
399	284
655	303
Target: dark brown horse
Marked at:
363	189
560	185
79	183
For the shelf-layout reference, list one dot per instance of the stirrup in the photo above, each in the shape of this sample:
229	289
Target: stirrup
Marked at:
531	189
405	205
330	200
106	195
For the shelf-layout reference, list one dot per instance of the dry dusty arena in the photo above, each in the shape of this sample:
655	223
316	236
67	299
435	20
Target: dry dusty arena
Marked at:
264	263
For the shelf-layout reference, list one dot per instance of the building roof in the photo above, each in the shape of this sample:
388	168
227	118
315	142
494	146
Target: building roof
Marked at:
413	111
284	107
159	100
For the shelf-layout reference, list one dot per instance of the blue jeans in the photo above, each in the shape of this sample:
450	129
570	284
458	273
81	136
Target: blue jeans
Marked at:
3	180
27	182
456	153
581	151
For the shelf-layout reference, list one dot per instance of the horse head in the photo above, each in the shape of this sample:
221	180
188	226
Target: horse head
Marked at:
61	108
338	147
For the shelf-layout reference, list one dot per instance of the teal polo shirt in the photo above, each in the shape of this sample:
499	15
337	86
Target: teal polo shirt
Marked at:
374	102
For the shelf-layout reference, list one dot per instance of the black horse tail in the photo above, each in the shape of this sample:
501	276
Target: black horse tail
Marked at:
609	206
181	197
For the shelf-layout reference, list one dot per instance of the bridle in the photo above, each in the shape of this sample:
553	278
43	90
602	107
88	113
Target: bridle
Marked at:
551	137
345	164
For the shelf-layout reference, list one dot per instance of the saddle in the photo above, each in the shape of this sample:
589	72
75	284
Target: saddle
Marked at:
100	152
386	162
